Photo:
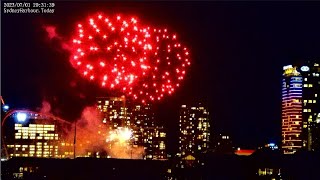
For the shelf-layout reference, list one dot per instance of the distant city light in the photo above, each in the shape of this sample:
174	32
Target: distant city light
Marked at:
21	117
305	68
5	108
287	67
273	146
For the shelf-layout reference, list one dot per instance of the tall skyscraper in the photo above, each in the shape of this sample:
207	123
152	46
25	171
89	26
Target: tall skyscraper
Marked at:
147	133
117	112
114	111
194	131
301	108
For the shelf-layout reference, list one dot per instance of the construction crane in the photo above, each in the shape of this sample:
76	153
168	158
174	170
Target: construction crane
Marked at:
2	101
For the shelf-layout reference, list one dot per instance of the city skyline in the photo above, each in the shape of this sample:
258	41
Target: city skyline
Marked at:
237	58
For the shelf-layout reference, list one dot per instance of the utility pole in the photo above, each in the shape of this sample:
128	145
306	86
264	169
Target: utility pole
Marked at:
74	141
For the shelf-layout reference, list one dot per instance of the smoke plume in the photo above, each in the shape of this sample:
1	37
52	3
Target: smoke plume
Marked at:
53	35
51	30
92	135
45	108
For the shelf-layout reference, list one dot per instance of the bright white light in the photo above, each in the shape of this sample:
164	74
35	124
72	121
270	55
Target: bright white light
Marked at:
272	144
126	133
5	107
120	135
287	67
305	68
21	117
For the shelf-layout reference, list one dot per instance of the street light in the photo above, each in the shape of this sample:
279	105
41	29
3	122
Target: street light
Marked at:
5	108
21	117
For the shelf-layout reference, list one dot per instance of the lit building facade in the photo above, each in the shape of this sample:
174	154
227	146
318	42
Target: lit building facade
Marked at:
300	108
153	141
147	133
311	106
34	140
159	143
36	137
291	110
269	173
118	112
114	111
194	131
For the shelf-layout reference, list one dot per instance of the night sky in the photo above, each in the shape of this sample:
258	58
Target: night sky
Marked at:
238	50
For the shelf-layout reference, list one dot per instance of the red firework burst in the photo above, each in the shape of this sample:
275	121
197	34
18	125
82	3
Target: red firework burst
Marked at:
111	50
168	68
117	53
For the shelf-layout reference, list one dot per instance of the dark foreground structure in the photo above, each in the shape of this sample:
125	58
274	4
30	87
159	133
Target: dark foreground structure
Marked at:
258	166
81	168
271	166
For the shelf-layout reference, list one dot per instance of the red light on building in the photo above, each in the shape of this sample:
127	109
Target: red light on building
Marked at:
244	152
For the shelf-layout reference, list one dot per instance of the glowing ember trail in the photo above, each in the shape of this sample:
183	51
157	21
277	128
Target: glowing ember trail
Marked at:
143	63
110	50
170	60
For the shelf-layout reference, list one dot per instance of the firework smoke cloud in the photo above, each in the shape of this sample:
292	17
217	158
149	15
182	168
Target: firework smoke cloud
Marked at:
94	136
